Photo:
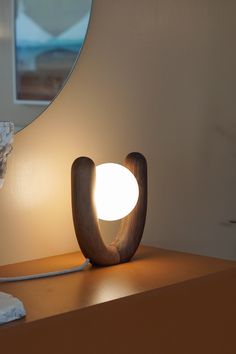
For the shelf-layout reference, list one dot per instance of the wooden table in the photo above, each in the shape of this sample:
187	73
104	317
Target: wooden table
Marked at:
161	302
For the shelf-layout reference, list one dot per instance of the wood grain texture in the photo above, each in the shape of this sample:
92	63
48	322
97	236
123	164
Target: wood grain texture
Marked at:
150	268
85	218
162	301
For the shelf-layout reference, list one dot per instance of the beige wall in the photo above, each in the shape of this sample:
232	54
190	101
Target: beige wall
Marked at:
154	76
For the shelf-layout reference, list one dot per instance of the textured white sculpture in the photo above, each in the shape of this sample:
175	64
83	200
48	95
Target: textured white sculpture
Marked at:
11	308
6	139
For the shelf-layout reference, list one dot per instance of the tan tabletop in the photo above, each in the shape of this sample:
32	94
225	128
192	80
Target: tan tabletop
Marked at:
145	303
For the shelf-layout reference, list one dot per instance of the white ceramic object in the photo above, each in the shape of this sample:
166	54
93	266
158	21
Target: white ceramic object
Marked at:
6	139
11	308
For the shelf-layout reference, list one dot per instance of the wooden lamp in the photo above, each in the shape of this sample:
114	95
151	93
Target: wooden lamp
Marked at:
85	199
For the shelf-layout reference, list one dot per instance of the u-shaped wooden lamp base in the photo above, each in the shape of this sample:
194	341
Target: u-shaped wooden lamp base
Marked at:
86	223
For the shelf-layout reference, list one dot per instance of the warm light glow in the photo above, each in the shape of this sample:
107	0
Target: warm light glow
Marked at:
116	192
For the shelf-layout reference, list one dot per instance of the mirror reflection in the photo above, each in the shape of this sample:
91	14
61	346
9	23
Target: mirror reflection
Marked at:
40	42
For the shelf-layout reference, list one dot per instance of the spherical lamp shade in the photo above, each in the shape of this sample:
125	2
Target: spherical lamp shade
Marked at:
116	191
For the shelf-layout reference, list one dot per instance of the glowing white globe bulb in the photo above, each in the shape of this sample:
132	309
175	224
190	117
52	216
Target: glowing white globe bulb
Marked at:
116	191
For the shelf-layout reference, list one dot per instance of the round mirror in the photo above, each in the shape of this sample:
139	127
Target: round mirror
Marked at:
40	42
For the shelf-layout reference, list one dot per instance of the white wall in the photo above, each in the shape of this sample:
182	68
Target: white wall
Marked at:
155	76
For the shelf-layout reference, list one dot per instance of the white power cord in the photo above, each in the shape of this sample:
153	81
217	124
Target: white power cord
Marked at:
45	275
